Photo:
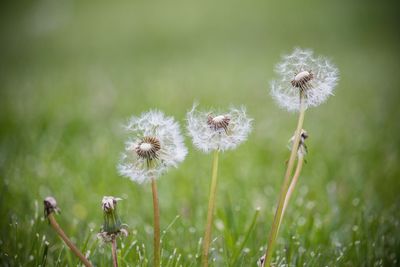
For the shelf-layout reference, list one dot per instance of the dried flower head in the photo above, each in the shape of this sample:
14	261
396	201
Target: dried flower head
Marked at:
112	226
109	203
50	206
260	261
155	146
302	150
211	130
301	72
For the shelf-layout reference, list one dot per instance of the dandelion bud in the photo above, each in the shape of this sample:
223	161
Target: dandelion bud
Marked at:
112	226
50	206
112	222
302	150
260	261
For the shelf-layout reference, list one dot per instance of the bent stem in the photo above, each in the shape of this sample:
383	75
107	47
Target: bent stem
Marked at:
67	241
293	183
279	209
114	252
210	212
156	224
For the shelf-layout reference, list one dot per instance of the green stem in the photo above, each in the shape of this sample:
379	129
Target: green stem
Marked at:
156	224
279	209
210	212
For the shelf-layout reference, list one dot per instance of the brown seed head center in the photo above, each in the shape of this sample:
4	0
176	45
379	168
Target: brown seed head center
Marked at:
301	80
148	148
218	122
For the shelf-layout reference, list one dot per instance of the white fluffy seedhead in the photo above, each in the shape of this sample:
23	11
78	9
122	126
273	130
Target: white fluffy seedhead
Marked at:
211	130
156	144
316	77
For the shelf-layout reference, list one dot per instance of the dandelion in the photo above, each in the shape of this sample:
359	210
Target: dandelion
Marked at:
50	207
155	145
304	81
212	130
216	131
112	227
302	73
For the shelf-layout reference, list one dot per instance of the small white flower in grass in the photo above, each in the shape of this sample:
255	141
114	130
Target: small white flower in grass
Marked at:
299	72
212	130
156	145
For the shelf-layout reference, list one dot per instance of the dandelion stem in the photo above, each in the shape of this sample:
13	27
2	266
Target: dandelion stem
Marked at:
67	241
114	252
280	208
210	212
156	224
293	183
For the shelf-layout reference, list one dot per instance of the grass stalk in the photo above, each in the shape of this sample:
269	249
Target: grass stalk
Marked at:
156	209
67	241
279	209
243	244
211	207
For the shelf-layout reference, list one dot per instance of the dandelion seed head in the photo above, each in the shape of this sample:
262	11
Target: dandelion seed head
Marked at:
212	130
155	145
315	77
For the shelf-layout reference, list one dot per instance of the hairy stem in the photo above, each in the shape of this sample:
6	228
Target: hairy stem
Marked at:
67	241
156	224
279	209
210	212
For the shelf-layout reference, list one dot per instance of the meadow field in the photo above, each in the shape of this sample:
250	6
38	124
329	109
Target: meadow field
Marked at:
72	73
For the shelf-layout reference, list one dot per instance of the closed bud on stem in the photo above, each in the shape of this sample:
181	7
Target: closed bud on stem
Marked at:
112	226
50	206
302	150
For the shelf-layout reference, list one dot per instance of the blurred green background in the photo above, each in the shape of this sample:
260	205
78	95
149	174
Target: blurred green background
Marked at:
72	72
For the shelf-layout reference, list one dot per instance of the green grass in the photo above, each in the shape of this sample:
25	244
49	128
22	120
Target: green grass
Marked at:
72	73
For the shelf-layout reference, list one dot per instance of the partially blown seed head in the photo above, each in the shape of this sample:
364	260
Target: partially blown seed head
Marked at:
155	145
212	130
301	72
